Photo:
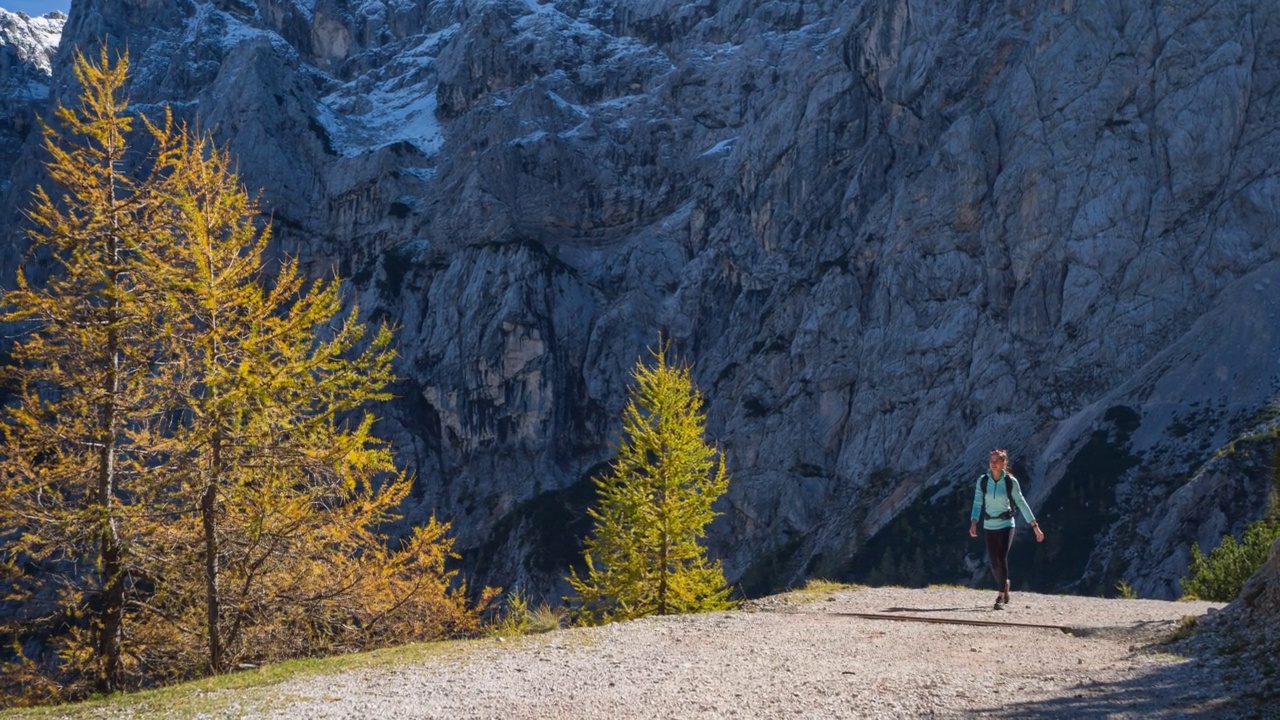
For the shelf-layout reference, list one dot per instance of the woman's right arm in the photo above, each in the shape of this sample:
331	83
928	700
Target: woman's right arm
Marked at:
977	508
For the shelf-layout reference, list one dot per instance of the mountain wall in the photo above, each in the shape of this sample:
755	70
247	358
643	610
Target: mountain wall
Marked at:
27	48
890	234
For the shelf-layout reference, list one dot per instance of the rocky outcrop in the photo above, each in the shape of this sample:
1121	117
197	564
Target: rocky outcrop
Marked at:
1260	597
889	234
1248	632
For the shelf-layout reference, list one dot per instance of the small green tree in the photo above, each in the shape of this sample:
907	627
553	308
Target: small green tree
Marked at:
1220	576
644	556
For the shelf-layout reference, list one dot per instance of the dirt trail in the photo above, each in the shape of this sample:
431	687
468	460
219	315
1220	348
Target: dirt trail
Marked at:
779	658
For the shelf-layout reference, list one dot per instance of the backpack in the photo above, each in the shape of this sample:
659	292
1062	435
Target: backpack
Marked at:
1008	492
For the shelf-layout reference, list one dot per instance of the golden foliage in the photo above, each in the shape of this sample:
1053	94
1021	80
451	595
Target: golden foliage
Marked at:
190	481
77	496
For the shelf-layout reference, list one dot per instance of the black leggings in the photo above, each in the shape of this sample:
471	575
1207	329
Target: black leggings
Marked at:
998	544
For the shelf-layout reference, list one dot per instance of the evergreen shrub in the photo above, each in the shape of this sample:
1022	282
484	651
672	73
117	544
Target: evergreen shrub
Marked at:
1219	576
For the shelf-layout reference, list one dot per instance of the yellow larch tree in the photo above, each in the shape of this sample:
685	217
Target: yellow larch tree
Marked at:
274	446
189	481
76	498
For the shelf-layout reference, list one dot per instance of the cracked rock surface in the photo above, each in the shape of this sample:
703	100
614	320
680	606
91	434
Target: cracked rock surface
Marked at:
889	234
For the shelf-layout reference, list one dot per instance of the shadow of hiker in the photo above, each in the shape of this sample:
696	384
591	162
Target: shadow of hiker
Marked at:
1188	688
1140	631
972	608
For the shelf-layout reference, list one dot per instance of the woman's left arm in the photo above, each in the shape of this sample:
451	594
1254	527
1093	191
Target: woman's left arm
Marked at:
1026	510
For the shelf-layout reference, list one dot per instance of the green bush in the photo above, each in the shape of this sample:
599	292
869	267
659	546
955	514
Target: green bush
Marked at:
1220	576
513	619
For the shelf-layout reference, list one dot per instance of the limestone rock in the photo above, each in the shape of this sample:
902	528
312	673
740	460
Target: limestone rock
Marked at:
889	234
1260	596
1248	632
27	48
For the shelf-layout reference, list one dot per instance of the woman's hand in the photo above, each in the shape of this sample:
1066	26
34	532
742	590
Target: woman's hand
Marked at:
973	528
1039	532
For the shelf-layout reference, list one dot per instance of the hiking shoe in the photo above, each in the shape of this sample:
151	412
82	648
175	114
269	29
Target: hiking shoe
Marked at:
998	606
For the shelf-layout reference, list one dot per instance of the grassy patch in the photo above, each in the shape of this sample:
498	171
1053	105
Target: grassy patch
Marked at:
517	618
817	589
545	618
1185	628
236	693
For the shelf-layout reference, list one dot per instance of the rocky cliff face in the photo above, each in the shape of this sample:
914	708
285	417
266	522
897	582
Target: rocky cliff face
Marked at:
890	234
27	49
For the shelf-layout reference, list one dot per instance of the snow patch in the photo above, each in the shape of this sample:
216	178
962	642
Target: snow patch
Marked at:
408	115
35	39
723	146
380	108
422	173
224	29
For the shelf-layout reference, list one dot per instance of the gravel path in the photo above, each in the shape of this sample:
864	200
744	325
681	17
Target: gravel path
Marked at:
779	658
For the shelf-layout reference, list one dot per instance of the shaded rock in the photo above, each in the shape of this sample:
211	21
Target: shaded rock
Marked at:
889	235
27	49
1248	632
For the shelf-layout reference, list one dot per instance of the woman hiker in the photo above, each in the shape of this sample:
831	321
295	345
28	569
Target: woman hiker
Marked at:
996	492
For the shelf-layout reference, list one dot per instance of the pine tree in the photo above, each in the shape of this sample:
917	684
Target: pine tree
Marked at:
644	555
76	494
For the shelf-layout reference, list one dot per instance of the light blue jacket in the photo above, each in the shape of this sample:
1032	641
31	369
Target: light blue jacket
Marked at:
998	501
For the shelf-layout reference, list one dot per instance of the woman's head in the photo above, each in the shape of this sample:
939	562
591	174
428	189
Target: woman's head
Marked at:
999	460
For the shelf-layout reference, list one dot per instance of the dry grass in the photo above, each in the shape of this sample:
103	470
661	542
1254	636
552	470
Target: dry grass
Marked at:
545	618
517	618
234	694
818	589
1185	628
